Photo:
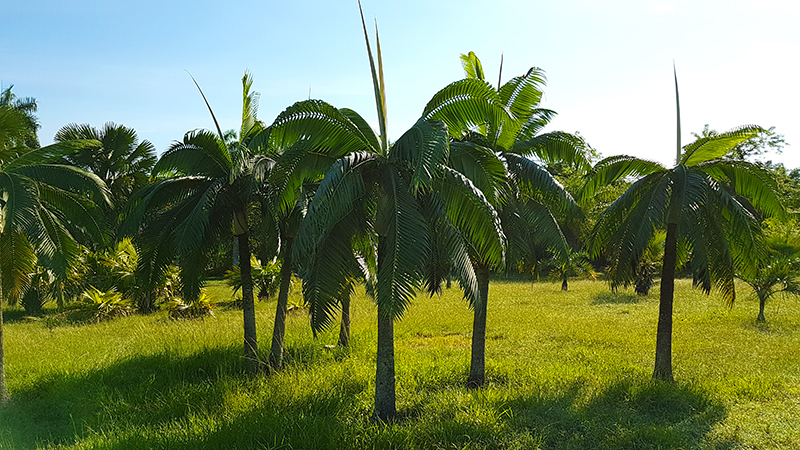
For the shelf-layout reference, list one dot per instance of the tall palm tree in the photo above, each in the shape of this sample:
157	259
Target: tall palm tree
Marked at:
44	207
371	216
121	161
498	152
707	203
204	192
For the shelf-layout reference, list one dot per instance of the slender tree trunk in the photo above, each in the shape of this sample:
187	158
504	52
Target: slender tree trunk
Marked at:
248	306
564	285
477	366
762	302
3	390
385	408
279	330
663	366
344	330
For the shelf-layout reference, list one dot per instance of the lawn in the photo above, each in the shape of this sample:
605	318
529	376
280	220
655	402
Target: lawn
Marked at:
566	370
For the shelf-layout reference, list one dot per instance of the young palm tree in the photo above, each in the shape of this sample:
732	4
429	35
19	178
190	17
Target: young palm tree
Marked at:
204	192
371	216
706	202
496	151
44	208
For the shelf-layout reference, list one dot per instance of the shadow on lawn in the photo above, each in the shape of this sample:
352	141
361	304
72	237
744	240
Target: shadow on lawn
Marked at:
174	394
609	297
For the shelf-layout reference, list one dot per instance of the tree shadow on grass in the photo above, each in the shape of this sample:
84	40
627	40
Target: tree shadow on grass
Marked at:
164	401
608	297
140	391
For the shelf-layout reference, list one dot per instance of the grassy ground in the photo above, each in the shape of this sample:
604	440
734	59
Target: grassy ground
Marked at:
567	370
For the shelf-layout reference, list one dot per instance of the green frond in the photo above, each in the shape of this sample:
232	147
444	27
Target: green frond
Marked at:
614	168
713	147
472	66
546	230
538	119
208	105
424	149
749	180
471	213
466	105
402	246
481	165
19	261
68	178
556	147
200	153
520	95
190	233
536	182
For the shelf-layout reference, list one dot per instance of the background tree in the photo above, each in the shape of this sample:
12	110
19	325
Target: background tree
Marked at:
120	160
30	124
711	204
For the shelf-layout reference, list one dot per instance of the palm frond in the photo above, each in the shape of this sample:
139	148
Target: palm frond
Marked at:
614	168
424	149
713	147
472	66
466	105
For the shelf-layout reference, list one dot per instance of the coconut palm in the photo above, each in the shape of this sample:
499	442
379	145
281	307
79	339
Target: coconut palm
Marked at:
204	192
498	152
372	216
707	203
44	207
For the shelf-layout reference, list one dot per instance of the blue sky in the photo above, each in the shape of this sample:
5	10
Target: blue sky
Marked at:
608	63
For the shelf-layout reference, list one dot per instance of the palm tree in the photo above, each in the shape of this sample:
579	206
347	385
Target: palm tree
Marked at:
573	264
371	216
44	208
27	106
777	275
204	192
707	203
496	152
121	161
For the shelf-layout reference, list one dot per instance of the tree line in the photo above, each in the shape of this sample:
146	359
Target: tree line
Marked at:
476	186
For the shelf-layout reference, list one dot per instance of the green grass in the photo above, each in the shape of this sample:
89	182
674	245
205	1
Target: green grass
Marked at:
566	370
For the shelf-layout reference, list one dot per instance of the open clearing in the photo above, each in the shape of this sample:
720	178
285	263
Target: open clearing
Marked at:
566	370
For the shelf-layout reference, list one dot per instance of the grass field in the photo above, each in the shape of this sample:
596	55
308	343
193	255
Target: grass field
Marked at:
566	370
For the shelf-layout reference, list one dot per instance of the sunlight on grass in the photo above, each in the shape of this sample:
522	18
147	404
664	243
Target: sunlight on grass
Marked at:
565	369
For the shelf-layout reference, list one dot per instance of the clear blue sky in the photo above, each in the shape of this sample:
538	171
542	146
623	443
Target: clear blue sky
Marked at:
608	63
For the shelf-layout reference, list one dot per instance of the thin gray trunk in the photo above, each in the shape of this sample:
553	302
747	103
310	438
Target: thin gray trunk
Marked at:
564	285
663	366
385	408
477	366
762	302
248	306
279	330
344	330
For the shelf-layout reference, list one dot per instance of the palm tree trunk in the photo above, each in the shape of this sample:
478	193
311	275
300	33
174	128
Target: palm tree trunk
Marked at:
564	285
762	302
663	366
344	330
3	390
279	330
385	408
477	366
248	306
